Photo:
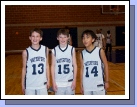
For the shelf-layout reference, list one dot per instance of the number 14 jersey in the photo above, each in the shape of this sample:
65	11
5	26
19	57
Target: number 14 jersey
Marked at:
93	74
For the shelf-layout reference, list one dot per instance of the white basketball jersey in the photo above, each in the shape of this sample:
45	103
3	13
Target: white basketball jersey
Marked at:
36	68
93	70
63	64
98	42
108	39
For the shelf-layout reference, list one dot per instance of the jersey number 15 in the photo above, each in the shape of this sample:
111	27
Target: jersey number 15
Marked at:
66	69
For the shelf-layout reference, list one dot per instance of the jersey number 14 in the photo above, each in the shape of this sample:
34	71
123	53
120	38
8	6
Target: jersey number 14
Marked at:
93	71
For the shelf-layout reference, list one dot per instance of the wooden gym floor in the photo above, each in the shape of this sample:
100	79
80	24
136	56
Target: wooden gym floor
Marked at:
13	69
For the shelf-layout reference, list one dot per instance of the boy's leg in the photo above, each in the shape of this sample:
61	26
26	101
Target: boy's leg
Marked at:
60	91
30	92
101	92
106	51
42	91
110	48
88	92
69	91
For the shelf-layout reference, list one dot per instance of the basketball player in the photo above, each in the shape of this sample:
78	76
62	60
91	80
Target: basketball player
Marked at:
70	36
100	40
63	63
35	70
70	40
108	42
94	69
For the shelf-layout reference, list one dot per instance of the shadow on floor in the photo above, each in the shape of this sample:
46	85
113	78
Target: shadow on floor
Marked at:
116	56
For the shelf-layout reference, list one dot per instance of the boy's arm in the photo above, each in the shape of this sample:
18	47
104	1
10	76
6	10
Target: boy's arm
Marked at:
110	38
81	71
70	40
53	68
103	57
74	64
24	60
47	68
104	41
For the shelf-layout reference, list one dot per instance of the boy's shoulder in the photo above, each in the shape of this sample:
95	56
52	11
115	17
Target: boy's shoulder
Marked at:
55	47
29	47
96	48
43	46
84	50
70	46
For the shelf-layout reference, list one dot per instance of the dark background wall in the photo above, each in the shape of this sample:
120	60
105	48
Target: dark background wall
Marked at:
50	37
20	19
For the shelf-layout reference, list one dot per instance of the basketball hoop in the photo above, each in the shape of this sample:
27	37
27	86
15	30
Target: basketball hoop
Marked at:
115	11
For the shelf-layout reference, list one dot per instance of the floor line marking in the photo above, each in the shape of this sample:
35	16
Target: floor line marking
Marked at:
117	83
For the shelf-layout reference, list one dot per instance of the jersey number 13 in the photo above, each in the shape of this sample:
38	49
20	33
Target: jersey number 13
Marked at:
39	71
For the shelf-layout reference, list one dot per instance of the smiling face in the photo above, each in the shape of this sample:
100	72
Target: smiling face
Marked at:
63	39
35	38
87	40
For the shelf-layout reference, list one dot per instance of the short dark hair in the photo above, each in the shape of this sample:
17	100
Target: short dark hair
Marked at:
89	32
98	30
37	30
108	31
66	27
63	31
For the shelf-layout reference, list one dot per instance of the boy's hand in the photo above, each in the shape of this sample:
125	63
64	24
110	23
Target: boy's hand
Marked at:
55	87
106	85
23	89
103	48
48	84
73	86
81	89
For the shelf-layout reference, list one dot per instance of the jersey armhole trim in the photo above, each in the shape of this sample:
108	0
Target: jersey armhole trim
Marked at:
82	54
46	51
100	54
27	54
71	50
54	51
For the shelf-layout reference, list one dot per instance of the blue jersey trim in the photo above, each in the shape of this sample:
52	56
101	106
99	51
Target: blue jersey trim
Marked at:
36	49
64	49
54	51
91	50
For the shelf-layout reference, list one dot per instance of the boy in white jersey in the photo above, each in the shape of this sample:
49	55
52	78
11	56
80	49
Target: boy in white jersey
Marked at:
64	67
100	39
35	70
108	42
70	36
94	69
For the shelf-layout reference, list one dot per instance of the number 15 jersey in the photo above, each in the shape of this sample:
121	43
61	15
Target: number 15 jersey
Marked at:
93	74
63	63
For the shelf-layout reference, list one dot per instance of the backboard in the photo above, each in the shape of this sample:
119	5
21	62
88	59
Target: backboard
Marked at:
113	9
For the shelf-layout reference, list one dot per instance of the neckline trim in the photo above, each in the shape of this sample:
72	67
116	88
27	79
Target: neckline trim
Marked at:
64	49
91	50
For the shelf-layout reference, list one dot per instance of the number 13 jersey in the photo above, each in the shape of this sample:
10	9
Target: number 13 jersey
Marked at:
93	74
36	68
